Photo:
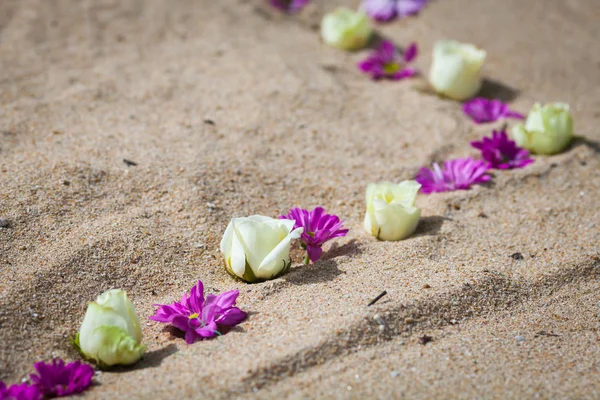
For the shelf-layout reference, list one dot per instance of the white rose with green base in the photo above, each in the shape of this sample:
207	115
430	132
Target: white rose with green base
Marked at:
547	130
346	29
257	248
456	69
110	333
391	212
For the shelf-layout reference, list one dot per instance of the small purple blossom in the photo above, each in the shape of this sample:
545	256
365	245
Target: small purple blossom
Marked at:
501	152
482	110
290	6
56	379
387	10
19	392
200	319
385	62
457	174
318	229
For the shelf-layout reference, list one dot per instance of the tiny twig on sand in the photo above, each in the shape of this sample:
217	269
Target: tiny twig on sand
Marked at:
376	299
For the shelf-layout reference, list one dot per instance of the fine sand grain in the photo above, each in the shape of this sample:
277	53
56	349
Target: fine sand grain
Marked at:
87	84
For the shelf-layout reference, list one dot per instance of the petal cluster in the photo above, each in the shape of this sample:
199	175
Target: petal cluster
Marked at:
501	152
57	379
387	10
482	110
385	62
20	392
318	226
457	174
200	318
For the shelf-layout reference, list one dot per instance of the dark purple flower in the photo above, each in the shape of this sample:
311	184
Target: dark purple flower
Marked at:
501	152
482	110
200	319
289	6
318	228
457	174
387	10
56	379
385	62
20	392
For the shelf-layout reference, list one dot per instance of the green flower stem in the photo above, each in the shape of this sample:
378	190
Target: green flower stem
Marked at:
306	259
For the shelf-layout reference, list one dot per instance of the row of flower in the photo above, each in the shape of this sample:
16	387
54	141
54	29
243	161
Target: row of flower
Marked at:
257	248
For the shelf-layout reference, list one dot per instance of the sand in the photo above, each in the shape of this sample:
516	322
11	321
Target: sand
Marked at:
84	85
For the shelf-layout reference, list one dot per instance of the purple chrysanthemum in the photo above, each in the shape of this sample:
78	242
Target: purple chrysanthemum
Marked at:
501	152
56	379
385	62
482	110
318	228
290	6
19	392
199	318
387	10
456	175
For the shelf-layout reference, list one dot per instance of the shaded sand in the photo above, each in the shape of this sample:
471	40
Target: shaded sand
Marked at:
84	85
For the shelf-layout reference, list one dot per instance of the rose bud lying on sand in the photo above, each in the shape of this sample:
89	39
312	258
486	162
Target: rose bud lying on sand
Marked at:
110	333
346	29
547	130
257	248
391	212
456	69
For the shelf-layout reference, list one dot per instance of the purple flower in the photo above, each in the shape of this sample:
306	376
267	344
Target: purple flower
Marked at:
501	152
385	62
318	228
200	319
457	175
482	110
56	379
386	10
289	6
19	392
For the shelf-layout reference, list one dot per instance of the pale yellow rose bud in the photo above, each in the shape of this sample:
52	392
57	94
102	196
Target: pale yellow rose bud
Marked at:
456	69
547	130
391	212
346	29
258	248
110	333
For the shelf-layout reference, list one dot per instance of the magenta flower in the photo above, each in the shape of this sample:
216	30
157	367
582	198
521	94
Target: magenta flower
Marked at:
387	10
501	152
201	319
56	379
19	392
318	228
385	62
457	175
290	6
482	110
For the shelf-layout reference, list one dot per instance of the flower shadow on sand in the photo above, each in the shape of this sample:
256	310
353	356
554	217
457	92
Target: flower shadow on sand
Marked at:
429	226
492	90
150	359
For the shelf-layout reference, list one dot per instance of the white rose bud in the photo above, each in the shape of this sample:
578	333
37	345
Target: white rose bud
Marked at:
110	333
456	69
391	212
257	248
547	130
346	29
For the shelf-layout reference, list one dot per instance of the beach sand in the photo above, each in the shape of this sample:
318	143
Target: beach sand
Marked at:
231	109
